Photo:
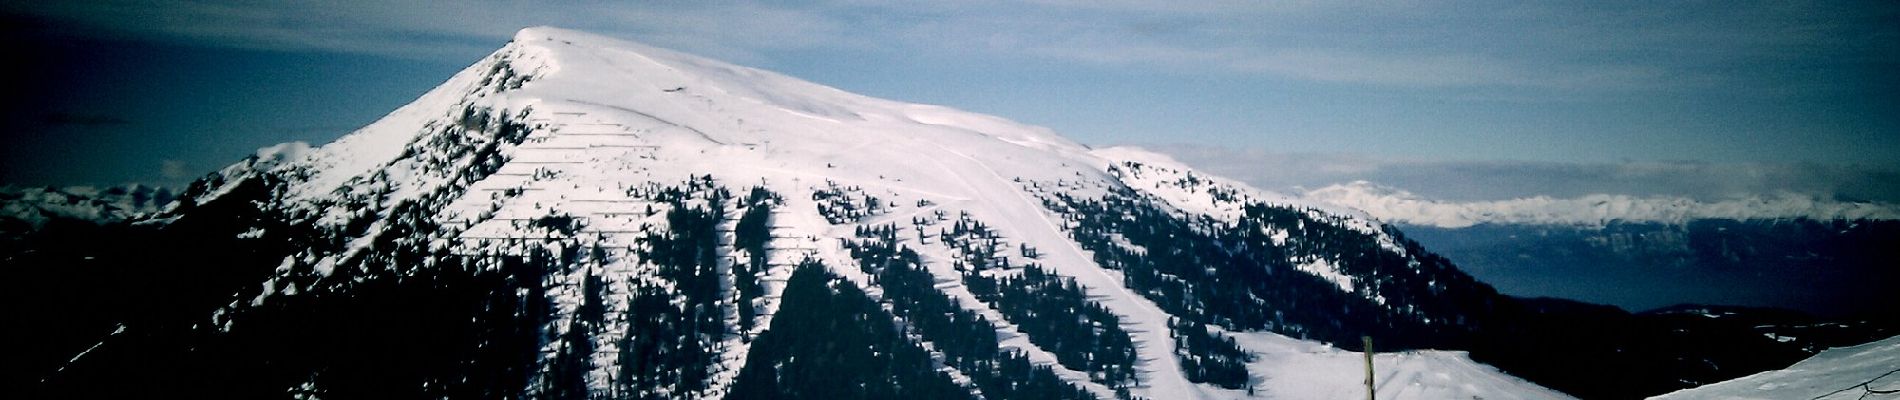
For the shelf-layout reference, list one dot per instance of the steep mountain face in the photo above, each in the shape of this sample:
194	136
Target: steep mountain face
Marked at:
577	217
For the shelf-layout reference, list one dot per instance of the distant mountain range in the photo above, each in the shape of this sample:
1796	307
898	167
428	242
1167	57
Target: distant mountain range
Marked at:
33	207
1789	251
1403	207
1835	268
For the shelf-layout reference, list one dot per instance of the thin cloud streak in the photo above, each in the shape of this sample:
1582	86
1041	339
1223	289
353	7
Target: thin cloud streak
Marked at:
1392	44
437	30
1762	81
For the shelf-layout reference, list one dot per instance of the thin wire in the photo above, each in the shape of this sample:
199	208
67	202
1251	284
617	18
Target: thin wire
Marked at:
1871	391
1864	386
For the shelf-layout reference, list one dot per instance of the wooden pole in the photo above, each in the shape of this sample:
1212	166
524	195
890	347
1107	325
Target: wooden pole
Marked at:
1369	388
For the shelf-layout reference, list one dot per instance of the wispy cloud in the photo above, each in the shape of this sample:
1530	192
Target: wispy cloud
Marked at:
175	170
1387	44
1406	44
431	30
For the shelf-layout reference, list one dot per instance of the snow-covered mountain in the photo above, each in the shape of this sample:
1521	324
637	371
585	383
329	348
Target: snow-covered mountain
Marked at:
579	216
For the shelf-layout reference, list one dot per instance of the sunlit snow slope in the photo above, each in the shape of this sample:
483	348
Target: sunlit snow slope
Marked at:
1834	374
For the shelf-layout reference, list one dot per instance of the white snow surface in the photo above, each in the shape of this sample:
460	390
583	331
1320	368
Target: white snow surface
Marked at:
1297	369
1833	374
1199	201
1397	205
609	115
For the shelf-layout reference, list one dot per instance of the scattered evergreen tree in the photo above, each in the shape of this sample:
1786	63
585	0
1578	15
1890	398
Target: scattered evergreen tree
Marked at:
967	340
846	204
1237	275
670	341
1057	316
1208	357
828	340
1053	311
752	234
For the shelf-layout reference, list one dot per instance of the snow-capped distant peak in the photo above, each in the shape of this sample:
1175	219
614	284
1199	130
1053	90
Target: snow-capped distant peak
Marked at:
34	207
1401	206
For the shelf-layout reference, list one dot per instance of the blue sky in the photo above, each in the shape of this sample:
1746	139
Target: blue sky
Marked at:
162	91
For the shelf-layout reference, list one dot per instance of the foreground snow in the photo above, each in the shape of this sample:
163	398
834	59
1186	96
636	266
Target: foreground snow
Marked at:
1833	374
1297	369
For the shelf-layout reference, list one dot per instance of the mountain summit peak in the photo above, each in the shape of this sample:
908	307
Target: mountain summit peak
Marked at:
606	94
627	69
